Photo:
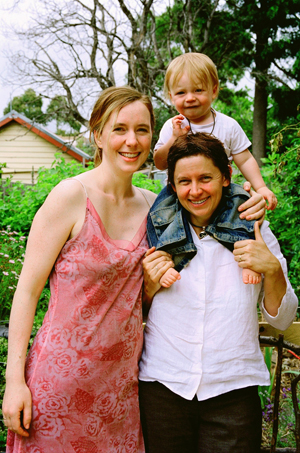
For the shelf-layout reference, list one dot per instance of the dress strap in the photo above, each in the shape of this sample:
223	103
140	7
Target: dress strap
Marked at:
75	179
145	195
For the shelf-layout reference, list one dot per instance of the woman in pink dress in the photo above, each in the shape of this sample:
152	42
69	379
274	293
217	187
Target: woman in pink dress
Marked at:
77	389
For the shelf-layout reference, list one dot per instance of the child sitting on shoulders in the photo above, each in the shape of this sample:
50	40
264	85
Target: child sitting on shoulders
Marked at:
192	84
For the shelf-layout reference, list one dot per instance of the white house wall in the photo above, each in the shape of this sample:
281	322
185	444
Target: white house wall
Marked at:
22	150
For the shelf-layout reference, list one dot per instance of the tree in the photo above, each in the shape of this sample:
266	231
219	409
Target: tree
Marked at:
59	111
74	49
77	48
274	28
30	104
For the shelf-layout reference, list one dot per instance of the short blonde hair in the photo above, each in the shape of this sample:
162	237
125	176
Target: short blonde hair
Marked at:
199	67
110	100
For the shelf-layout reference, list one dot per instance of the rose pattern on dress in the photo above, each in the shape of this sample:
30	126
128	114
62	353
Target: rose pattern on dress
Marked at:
48	425
82	368
94	426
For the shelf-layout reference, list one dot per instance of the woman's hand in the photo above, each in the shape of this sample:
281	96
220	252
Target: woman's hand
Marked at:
155	264
256	256
16	408
255	207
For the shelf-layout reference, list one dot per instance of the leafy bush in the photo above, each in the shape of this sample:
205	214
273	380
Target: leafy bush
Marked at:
21	202
11	261
281	172
141	180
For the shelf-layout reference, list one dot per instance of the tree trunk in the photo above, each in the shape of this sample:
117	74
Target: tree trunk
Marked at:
260	120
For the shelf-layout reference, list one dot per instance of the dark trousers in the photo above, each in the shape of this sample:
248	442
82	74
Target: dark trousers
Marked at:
229	423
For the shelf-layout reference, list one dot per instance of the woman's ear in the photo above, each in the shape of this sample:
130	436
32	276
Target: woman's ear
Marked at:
173	187
97	139
226	181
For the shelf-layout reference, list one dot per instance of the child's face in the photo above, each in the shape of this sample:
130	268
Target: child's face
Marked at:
193	100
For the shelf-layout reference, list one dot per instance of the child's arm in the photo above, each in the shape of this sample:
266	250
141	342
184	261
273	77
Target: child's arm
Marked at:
250	169
161	154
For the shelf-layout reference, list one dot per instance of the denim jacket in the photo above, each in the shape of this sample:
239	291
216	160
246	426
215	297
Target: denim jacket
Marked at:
168	228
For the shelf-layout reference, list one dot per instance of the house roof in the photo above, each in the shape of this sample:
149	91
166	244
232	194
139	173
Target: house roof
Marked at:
44	133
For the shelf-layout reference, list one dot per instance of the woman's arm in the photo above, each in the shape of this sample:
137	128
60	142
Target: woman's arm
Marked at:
50	230
257	256
155	264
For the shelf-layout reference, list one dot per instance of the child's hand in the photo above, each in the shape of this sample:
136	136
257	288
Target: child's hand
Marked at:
254	208
170	277
269	196
176	125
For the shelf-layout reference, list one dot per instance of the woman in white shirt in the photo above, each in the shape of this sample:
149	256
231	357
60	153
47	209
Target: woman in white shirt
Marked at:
202	363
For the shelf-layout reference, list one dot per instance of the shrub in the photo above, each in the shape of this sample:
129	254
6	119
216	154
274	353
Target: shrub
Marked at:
21	202
11	261
281	172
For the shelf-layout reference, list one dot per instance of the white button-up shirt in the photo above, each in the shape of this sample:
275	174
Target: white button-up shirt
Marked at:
201	336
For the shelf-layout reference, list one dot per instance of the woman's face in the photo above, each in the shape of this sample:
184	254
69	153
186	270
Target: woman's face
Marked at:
126	138
199	184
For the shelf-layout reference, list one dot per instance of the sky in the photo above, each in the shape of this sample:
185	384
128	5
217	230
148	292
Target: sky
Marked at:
9	16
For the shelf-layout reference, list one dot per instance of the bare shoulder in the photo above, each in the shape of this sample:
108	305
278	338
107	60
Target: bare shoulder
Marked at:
65	204
150	196
67	193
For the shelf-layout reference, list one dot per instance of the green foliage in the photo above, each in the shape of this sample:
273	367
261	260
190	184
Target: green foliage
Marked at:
59	110
11	261
286	418
141	180
21	202
281	173
29	104
265	392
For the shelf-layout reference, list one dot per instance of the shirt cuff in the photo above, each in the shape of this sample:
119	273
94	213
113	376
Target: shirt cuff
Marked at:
286	312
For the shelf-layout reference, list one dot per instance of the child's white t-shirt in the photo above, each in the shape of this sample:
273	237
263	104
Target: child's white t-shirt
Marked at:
226	129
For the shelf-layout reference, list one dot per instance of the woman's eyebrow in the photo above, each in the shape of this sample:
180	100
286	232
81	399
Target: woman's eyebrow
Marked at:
139	125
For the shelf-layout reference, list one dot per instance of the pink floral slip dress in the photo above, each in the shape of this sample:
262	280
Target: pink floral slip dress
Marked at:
82	368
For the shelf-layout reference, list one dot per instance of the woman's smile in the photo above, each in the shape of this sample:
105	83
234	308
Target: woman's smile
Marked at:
199	202
129	155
